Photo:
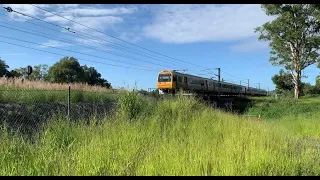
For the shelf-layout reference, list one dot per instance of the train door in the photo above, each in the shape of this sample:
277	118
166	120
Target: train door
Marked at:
206	85
185	82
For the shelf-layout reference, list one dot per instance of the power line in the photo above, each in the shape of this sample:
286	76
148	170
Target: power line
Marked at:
111	35
69	42
234	76
77	58
63	49
82	34
9	9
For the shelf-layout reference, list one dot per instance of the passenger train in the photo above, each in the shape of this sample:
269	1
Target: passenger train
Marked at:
173	82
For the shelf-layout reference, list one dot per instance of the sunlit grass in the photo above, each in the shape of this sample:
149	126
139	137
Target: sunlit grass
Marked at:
166	137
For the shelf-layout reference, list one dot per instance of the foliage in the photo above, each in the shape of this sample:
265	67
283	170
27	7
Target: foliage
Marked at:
3	68
283	81
279	108
94	78
131	105
67	70
39	73
293	36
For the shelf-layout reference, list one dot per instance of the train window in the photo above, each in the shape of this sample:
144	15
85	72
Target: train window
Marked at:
179	79
174	78
164	78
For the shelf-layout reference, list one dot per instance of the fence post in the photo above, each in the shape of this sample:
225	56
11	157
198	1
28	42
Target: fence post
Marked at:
69	101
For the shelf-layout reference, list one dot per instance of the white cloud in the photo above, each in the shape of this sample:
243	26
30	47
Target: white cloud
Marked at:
53	18
100	23
102	12
200	23
54	43
96	18
68	5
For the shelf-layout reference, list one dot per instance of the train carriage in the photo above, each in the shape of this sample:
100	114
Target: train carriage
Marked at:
171	82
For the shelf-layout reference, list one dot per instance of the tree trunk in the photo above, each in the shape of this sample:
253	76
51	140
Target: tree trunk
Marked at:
297	79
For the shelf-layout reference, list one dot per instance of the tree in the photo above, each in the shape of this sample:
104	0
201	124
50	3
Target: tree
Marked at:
308	89
283	81
67	70
93	77
39	73
104	83
293	37
3	68
20	72
13	74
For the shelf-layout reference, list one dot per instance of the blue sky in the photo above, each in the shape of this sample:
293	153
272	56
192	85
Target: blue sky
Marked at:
209	36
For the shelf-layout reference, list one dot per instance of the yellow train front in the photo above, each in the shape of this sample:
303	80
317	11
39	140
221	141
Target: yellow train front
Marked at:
166	84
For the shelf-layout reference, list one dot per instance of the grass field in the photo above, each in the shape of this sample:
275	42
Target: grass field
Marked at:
172	137
276	108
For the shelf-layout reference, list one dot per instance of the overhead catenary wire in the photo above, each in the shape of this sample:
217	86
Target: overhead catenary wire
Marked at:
87	36
77	58
113	36
80	44
9	9
11	38
233	75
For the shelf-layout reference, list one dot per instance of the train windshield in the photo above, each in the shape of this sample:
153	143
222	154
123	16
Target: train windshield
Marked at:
164	78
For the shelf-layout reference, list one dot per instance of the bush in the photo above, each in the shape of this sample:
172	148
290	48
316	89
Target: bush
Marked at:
131	105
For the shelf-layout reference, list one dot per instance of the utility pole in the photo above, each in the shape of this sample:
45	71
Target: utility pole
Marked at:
219	81
248	83
259	86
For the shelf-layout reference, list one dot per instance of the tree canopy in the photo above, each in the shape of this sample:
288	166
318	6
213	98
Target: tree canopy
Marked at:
67	70
293	37
283	81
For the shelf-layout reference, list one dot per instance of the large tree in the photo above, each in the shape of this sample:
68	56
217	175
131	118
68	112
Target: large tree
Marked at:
3	68
283	81
293	37
67	70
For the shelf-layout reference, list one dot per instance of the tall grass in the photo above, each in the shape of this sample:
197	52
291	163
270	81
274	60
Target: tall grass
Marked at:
275	109
47	96
165	137
19	83
17	90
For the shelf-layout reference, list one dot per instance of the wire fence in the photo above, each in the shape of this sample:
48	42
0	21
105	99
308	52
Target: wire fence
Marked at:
27	110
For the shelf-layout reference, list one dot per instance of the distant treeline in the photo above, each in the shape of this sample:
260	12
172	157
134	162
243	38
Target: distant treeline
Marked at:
67	70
